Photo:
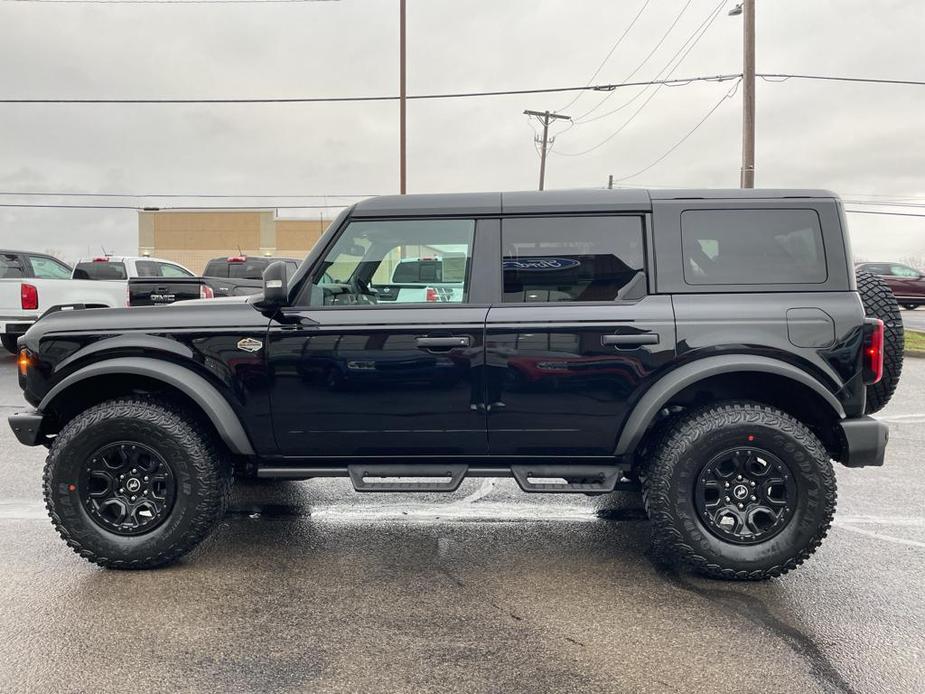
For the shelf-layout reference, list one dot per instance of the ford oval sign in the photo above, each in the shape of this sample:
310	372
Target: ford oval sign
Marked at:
544	264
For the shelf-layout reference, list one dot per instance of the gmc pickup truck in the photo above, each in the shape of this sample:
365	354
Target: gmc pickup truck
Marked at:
715	346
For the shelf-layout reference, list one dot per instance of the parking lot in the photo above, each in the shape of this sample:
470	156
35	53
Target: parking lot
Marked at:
309	586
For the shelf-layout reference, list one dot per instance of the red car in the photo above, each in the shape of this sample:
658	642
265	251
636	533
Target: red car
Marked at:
908	284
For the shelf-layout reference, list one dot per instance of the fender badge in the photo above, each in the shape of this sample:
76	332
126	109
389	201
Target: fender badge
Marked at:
249	344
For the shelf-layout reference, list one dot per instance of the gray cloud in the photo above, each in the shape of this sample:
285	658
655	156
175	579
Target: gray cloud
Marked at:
855	139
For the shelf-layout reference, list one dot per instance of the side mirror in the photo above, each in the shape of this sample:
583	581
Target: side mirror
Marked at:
275	287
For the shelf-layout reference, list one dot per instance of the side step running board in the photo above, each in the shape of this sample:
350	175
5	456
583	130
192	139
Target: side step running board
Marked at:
566	478
420	478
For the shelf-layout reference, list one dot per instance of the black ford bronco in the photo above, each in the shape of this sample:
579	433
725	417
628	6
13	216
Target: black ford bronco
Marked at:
713	345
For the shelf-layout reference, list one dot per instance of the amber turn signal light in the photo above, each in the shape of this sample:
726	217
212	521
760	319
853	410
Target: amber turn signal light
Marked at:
24	361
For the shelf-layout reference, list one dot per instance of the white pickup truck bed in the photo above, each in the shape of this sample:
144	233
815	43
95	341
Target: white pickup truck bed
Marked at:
20	307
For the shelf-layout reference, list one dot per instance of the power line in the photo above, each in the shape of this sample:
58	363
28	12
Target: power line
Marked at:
51	206
450	95
727	95
323	99
884	203
661	73
782	77
610	52
667	70
888	214
164	2
181	195
692	40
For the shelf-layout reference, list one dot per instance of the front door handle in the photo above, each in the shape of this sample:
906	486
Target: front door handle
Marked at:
638	339
443	342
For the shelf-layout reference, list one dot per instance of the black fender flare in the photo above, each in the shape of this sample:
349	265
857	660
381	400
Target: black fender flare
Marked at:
191	384
674	382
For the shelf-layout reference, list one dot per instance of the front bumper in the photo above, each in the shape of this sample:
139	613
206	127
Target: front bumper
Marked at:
865	440
28	427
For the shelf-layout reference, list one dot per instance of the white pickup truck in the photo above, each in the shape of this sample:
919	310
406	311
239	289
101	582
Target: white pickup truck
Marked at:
33	283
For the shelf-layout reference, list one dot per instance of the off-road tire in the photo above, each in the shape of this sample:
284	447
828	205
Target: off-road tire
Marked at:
879	302
203	482
9	342
679	455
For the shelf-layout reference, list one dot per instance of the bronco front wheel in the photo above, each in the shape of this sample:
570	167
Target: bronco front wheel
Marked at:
739	491
131	484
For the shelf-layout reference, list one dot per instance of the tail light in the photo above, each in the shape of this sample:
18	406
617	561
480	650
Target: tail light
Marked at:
128	295
29	297
430	295
873	351
205	292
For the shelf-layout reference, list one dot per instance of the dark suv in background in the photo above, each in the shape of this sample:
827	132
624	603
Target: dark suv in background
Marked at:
906	283
715	346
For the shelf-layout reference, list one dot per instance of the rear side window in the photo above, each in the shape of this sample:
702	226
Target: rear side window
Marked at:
170	270
752	247
216	268
101	270
556	259
48	268
10	266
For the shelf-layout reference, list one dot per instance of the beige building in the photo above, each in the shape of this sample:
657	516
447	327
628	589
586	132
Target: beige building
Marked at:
192	237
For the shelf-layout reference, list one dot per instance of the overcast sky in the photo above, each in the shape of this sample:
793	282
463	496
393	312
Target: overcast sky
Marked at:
859	140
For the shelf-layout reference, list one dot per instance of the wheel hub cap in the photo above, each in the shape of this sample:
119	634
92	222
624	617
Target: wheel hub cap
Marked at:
127	488
745	495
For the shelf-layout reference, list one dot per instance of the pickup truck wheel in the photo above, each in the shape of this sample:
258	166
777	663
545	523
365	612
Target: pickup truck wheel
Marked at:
9	342
131	484
879	302
738	491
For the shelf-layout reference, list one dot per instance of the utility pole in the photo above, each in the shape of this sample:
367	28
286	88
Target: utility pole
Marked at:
545	117
402	175
747	10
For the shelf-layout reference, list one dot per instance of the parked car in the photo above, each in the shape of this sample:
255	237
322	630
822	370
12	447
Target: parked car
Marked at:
716	345
33	283
147	281
431	279
124	267
907	284
241	274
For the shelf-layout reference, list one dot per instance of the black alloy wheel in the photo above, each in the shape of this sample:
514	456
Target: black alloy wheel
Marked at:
745	495
127	488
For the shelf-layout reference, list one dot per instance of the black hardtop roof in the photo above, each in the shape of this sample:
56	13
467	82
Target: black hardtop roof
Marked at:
544	202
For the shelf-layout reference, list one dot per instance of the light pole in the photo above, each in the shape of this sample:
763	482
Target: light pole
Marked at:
402	170
747	10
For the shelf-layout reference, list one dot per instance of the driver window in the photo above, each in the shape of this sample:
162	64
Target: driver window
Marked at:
388	263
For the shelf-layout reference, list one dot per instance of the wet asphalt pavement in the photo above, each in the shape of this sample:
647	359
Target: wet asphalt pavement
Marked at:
312	587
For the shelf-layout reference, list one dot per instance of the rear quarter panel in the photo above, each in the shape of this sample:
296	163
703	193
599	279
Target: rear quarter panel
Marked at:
816	327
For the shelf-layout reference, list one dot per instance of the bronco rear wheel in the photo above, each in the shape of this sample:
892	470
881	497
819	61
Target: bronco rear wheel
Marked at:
738	491
879	302
131	484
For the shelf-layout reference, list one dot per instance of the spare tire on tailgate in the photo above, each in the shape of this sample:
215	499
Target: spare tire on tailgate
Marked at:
879	302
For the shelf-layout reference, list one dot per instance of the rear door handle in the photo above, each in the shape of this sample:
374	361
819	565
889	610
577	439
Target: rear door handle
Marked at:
638	339
443	342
